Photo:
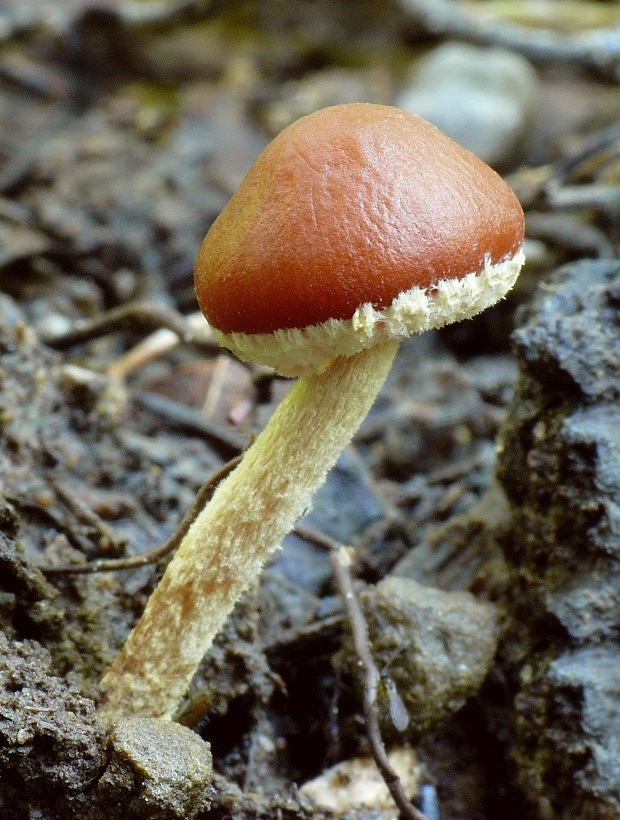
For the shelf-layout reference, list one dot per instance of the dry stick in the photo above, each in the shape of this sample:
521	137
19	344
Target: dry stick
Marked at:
341	561
155	345
340	557
154	555
148	14
84	513
597	149
595	49
190	330
187	419
129	317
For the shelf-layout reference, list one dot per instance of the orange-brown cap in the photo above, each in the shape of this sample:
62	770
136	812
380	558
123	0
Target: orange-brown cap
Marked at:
357	223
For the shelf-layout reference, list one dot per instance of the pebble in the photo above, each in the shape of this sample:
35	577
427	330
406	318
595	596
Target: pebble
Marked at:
354	787
161	769
435	646
484	98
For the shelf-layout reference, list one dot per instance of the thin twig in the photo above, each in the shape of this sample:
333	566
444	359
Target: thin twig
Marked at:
340	557
160	552
189	420
304	635
156	344
153	14
594	49
107	539
341	561
133	316
597	149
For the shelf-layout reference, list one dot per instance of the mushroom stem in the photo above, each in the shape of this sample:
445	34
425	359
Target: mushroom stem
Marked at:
226	546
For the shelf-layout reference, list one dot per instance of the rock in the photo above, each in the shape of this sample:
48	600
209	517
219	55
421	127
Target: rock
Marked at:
435	647
580	690
51	745
484	98
26	596
559	453
158	770
559	464
568	341
587	691
587	605
355	785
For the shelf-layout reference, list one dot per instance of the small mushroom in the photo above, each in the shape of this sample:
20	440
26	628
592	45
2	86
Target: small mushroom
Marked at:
357	226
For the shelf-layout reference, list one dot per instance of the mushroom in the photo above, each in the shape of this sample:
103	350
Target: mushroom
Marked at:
358	225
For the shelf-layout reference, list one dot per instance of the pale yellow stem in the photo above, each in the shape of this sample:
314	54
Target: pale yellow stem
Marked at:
245	521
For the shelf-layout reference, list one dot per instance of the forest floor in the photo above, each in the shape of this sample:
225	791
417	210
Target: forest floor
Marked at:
124	129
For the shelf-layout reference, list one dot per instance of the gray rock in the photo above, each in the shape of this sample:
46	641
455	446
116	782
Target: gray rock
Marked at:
568	342
484	98
51	745
158	769
559	464
435	647
559	453
595	686
588	606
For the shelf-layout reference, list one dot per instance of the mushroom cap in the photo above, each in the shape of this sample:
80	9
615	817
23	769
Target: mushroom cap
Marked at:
356	224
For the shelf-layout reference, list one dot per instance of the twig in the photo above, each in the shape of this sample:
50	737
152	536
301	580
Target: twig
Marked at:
594	49
106	537
341	561
565	230
597	149
599	196
155	345
340	557
157	554
133	316
313	631
186	419
216	384
32	78
154	14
